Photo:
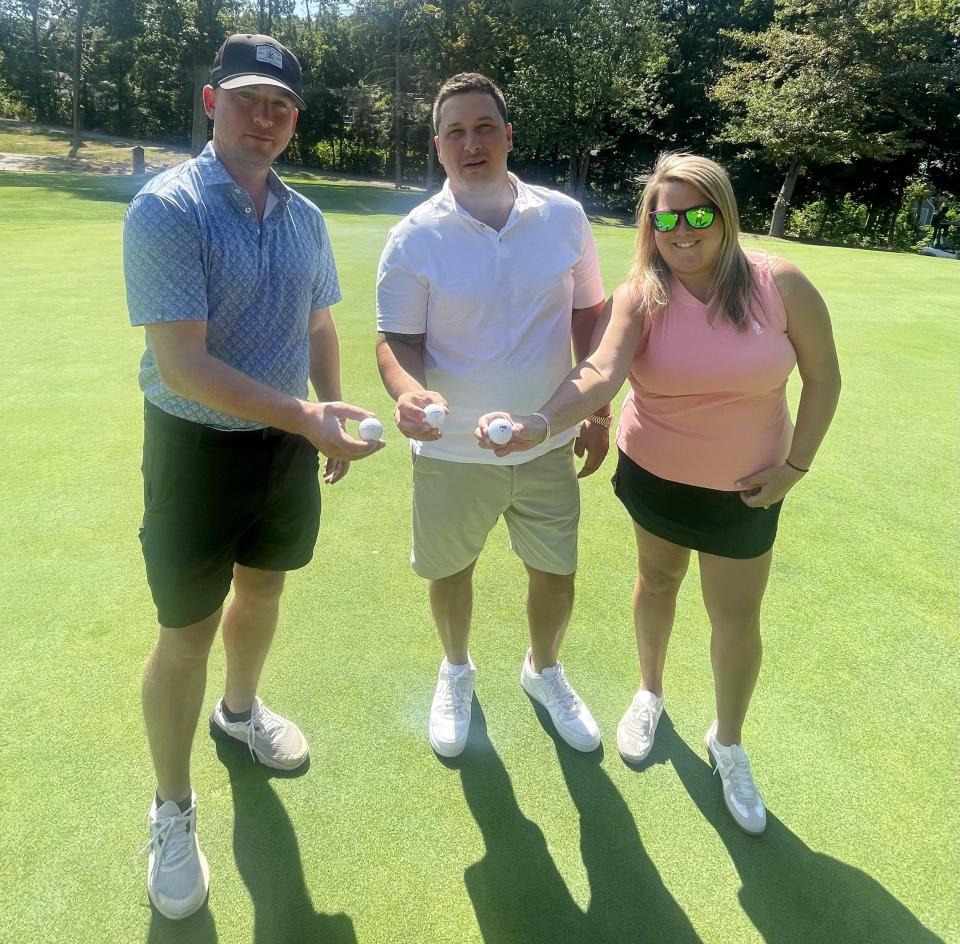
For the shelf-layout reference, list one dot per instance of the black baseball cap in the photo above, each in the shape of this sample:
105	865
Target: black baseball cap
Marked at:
254	59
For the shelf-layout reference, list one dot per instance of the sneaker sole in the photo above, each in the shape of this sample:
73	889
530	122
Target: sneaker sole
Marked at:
179	916
582	745
733	816
633	758
629	758
446	750
219	734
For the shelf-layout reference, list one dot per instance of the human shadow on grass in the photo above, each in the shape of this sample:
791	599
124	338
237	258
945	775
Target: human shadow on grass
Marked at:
792	894
199	928
517	891
110	188
268	859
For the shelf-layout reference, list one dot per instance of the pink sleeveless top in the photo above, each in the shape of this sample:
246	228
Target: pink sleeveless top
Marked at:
708	402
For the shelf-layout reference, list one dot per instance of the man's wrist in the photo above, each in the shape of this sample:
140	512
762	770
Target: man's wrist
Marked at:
546	425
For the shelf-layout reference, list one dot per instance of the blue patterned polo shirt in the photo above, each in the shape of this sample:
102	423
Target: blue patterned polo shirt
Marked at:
194	250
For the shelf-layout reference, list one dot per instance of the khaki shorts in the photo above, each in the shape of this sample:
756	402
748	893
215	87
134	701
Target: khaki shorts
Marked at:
456	505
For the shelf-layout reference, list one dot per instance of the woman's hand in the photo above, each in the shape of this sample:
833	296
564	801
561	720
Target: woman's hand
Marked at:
768	486
528	431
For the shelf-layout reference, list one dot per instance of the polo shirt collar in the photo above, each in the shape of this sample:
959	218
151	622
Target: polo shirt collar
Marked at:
214	174
527	199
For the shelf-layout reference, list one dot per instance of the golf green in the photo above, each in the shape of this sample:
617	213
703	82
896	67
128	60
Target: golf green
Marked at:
852	733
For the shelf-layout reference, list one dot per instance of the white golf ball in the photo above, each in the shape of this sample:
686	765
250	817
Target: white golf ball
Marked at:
435	415
500	431
371	429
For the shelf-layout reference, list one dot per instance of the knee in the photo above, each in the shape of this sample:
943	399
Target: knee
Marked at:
740	626
258	587
557	584
454	581
659	583
189	644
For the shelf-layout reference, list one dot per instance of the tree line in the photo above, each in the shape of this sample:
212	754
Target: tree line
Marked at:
836	118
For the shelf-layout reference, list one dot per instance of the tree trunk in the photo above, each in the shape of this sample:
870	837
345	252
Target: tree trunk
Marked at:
571	173
397	167
828	206
39	106
898	203
583	169
431	159
77	142
198	133
778	223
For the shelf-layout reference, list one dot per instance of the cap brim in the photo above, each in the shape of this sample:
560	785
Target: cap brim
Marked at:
240	81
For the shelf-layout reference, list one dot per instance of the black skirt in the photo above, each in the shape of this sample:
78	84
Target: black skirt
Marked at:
703	519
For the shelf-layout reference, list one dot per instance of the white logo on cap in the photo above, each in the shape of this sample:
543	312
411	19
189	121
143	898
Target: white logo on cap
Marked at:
270	54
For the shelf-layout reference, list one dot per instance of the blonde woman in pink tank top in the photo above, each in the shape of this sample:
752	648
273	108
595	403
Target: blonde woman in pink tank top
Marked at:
707	335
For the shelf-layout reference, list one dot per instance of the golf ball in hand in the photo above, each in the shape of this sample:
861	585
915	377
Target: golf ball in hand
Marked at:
500	431
435	415
371	429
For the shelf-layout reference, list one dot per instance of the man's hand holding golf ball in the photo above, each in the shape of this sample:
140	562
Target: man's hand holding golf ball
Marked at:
420	414
504	433
324	425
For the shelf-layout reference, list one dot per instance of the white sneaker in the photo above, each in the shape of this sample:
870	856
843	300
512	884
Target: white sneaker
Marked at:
450	711
638	725
740	794
178	876
571	717
272	740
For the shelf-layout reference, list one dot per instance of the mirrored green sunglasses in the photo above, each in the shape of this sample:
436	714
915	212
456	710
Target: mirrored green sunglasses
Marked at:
698	217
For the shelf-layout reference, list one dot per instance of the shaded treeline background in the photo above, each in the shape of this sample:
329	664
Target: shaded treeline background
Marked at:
839	119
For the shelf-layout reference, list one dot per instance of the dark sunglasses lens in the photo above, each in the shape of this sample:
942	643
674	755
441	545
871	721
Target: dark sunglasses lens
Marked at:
664	222
700	217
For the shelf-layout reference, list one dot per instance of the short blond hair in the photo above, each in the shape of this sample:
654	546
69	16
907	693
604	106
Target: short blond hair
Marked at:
732	285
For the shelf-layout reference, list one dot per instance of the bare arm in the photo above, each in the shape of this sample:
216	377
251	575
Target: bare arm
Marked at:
810	332
400	360
591	384
325	377
593	440
190	371
324	356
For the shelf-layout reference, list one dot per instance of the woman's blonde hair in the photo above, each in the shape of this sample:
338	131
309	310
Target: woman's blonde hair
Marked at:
733	285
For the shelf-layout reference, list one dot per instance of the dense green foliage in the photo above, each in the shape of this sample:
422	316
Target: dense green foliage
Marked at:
848	101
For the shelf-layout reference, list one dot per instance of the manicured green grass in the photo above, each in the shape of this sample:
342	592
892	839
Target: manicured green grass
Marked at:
853	730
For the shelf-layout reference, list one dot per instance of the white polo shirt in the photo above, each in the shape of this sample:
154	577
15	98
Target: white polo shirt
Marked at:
495	307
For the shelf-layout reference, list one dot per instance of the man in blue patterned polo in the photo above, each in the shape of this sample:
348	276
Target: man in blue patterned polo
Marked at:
232	275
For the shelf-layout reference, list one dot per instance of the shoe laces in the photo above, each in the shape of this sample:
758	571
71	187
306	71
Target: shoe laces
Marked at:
262	721
737	772
452	693
561	695
169	839
640	720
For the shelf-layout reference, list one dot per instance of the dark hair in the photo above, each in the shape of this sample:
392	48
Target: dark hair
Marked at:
465	82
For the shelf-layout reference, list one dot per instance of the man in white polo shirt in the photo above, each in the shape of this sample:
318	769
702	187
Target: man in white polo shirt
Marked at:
480	291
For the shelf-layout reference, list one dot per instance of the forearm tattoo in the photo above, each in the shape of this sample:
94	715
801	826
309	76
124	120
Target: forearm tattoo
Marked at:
416	340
